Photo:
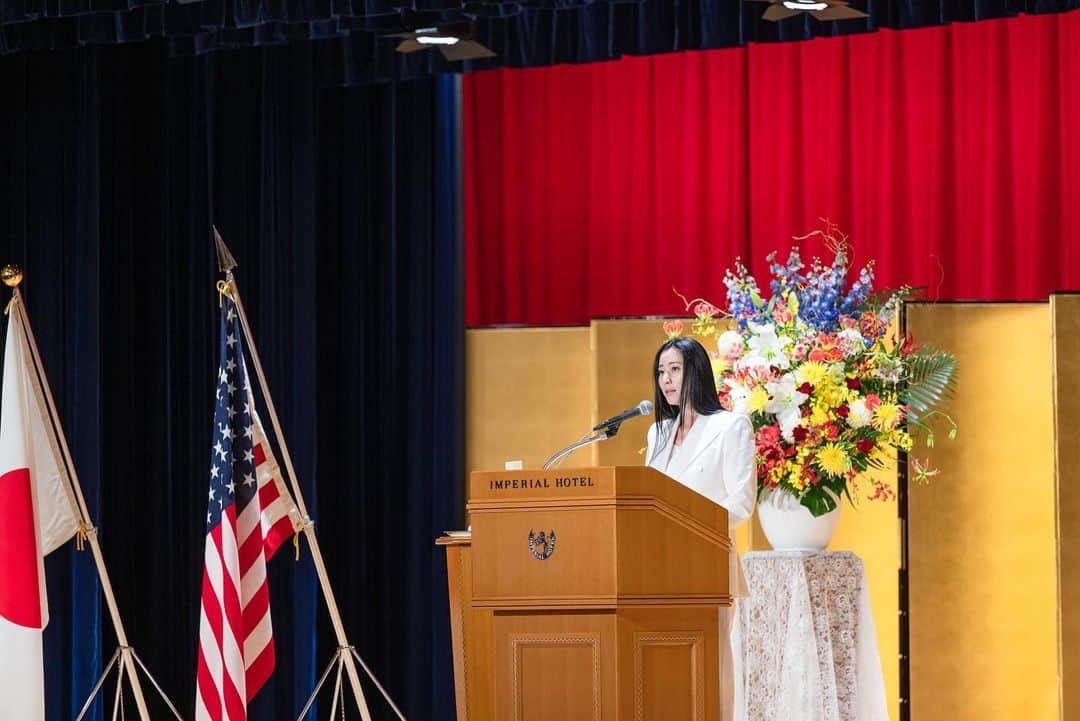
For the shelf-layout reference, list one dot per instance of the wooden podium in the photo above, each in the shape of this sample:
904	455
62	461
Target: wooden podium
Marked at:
587	594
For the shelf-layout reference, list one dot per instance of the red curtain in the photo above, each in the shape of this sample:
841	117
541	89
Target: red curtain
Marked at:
948	154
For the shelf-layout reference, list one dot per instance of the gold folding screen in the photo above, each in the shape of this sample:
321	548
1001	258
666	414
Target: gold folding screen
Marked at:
983	595
1065	319
528	392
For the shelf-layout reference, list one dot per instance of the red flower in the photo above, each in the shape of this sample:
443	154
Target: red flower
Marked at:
705	309
882	492
830	430
865	445
673	328
806	388
799	433
853	383
828	349
769	435
843	410
871	325
909	347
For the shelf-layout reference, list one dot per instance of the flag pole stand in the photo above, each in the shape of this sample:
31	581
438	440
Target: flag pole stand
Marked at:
227	263
338	661
124	657
12	276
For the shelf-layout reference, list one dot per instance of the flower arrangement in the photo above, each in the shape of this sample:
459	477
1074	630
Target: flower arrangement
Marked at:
830	389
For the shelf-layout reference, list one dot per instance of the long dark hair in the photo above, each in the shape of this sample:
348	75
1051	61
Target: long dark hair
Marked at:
698	384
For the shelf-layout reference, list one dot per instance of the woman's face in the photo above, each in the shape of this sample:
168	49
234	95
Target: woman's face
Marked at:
669	374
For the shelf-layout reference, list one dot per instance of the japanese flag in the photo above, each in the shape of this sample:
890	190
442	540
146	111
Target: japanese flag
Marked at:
37	515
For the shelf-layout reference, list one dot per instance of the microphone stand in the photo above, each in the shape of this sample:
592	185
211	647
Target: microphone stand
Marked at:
603	435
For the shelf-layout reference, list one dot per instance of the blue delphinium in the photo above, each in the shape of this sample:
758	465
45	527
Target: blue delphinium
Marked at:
860	289
743	296
822	294
785	277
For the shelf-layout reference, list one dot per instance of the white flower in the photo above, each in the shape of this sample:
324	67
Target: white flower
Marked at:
783	396
730	345
765	343
753	362
739	395
851	342
858	414
788	420
889	369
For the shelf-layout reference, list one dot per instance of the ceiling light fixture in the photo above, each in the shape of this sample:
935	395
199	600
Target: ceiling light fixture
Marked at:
454	41
824	10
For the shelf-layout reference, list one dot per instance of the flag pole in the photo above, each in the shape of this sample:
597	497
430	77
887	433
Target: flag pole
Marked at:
12	276
227	263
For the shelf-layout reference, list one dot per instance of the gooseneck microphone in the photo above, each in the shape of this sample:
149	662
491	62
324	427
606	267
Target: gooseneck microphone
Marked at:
641	409
601	431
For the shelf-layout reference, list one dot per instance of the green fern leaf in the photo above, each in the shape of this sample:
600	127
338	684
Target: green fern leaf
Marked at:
931	381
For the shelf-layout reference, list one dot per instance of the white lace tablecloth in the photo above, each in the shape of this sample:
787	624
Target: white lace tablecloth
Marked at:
807	636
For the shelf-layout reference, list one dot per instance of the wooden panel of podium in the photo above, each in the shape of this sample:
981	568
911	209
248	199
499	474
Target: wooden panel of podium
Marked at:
587	594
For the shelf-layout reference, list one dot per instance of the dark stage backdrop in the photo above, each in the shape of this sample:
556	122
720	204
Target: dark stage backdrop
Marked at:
523	33
948	153
338	205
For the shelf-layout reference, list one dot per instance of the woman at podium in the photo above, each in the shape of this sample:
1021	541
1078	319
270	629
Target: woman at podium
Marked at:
710	451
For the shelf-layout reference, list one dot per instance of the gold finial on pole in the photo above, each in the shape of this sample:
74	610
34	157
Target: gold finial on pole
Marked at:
12	275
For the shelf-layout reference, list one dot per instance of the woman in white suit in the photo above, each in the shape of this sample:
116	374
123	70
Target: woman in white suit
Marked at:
710	451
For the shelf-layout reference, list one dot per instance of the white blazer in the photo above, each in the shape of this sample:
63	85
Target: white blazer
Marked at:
716	459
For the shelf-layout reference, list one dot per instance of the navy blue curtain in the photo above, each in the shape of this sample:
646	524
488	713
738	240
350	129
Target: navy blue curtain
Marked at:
338	204
523	33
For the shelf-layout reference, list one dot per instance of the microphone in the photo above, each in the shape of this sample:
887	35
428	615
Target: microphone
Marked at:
609	427
641	409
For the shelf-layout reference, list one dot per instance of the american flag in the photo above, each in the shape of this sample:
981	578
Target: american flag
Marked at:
249	515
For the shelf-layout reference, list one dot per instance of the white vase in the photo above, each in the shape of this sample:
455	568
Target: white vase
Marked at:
789	525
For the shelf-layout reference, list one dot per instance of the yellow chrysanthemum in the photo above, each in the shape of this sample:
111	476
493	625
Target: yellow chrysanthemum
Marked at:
819	415
833	459
832	395
886	416
758	399
813	372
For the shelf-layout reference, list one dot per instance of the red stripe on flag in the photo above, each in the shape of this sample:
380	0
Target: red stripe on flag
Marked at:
20	592
257	607
235	702
260	670
235	706
277	534
268	494
250	548
211	607
208	690
260	455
